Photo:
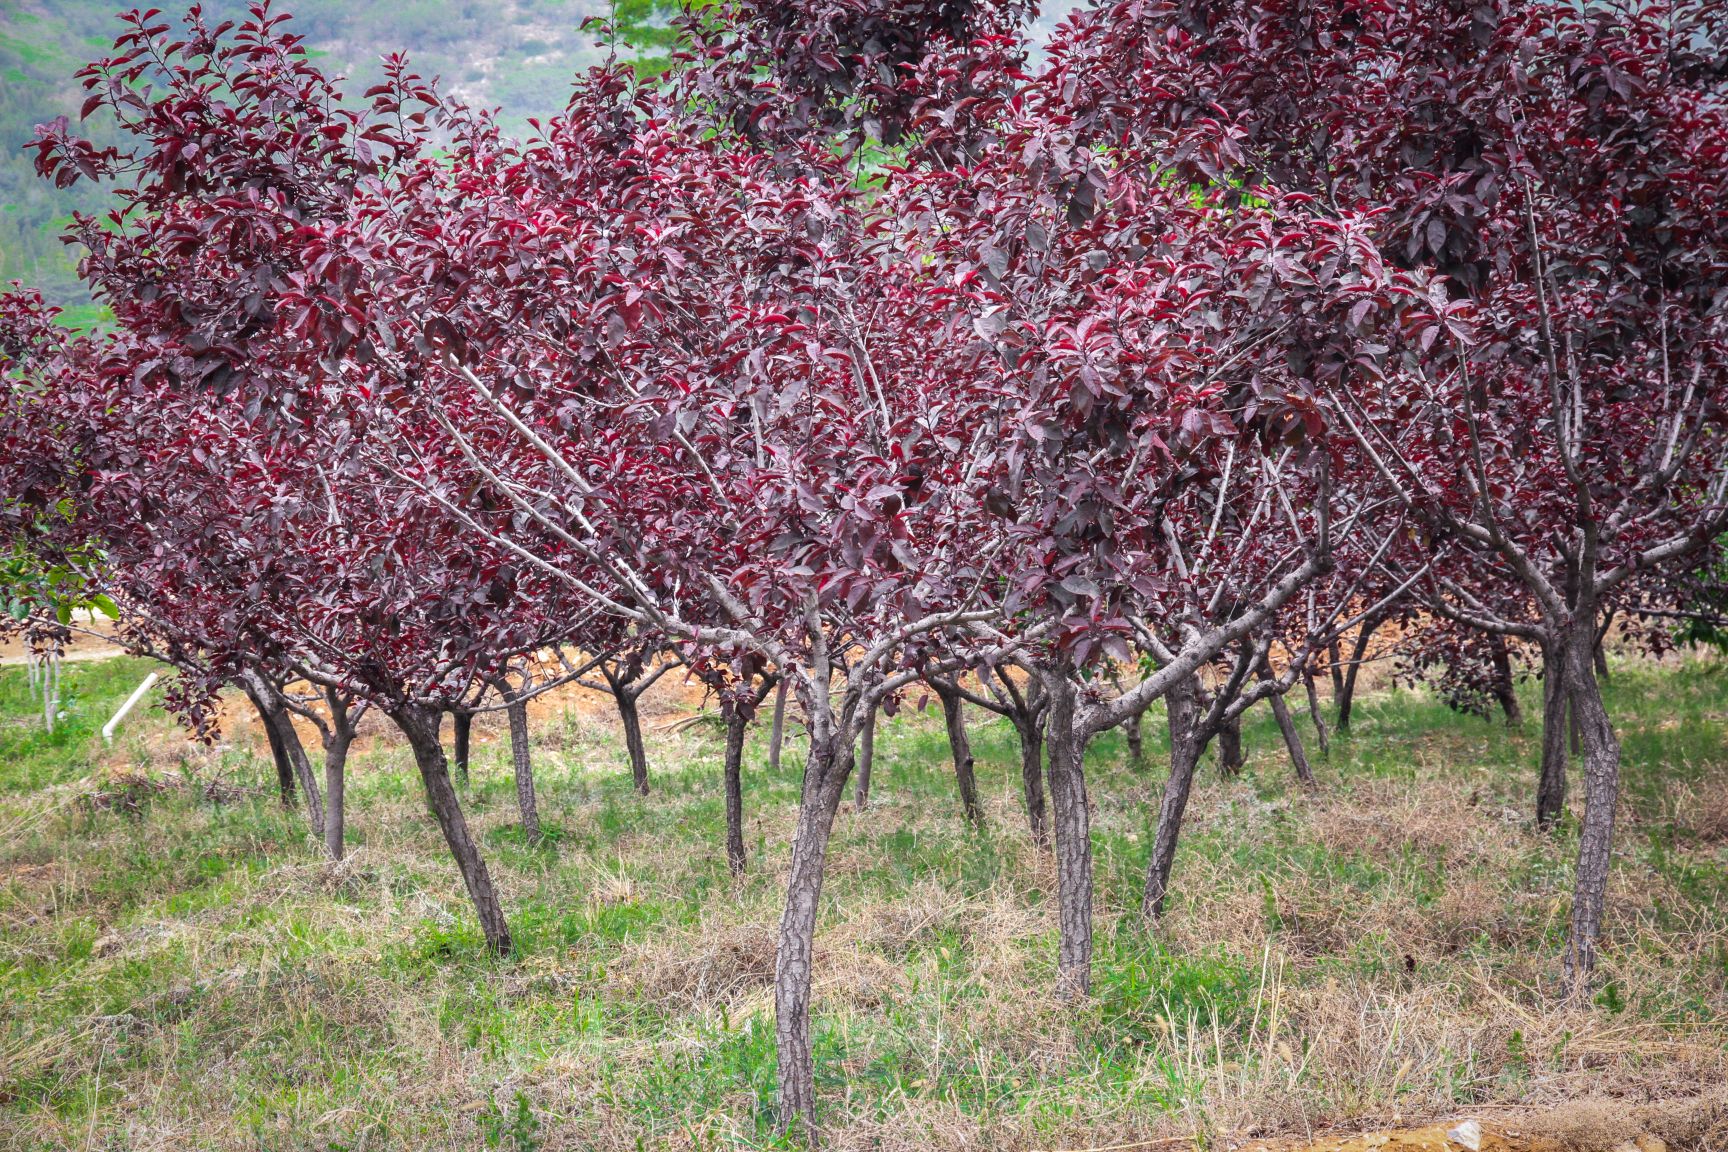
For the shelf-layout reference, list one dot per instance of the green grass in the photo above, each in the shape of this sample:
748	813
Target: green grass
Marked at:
178	968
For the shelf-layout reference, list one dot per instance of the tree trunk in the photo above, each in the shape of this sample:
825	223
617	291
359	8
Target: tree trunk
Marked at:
954	719
1335	666
1551	786
276	719
737	728
420	725
1136	741
1292	740
829	763
1505	687
1315	714
777	734
1182	705
1601	765
336	782
1230	759
638	752
462	724
1031	733
1359	651
521	759
866	759
1067	748
278	753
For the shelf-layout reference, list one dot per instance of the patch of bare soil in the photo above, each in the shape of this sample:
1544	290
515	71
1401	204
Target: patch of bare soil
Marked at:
1696	1124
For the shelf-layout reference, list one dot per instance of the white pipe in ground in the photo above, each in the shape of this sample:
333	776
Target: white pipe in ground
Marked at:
137	695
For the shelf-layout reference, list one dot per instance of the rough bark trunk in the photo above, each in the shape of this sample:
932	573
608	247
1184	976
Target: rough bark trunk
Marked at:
521	759
1230	760
1182	705
866	760
276	719
1315	714
1551	785
1031	733
1136	740
1601	764
462	732
1292	741
1073	828
1335	666
828	765
1505	687
737	728
954	719
420	726
1358	652
631	716
278	753
336	786
777	734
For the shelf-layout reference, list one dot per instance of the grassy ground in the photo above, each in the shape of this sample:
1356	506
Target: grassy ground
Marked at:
178	971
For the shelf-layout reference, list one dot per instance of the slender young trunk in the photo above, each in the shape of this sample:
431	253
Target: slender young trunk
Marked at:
462	732
1598	652
777	733
829	763
1358	653
1315	714
1031	732
277	720
278	753
1551	786
866	759
1292	741
737	728
954	719
521	759
1601	764
1335	666
1067	747
336	743
420	725
632	720
1187	741
1230	759
1136	741
1505	688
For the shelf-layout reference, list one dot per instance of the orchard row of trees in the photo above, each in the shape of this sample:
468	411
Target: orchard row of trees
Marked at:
857	354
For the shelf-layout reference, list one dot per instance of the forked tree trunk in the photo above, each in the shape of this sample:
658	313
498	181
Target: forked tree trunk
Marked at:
1230	759
1551	785
1292	740
777	733
420	725
274	713
954	720
1314	713
737	728
866	760
462	732
1073	829
828	765
631	717
522	762
1505	688
1601	763
1187	742
1031	732
1359	651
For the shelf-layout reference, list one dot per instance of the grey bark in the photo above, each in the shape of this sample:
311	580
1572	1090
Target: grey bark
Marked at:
1230	760
1187	742
1359	651
1292	740
777	733
1505	687
737	729
462	733
1315	714
420	725
1601	765
1551	785
866	759
522	762
1073	835
960	748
